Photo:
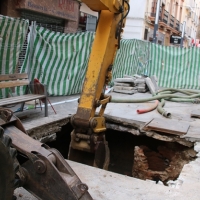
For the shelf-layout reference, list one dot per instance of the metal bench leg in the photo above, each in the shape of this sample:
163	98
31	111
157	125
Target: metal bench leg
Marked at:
46	103
22	106
23	103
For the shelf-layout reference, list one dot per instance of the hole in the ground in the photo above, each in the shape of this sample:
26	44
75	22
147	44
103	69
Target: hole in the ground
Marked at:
136	156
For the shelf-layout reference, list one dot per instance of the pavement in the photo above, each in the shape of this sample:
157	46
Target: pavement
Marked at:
112	186
108	185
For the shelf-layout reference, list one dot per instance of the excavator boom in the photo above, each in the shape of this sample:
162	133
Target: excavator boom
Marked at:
42	170
89	126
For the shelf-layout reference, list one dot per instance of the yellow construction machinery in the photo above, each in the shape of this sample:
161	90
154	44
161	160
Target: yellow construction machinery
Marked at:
89	126
42	170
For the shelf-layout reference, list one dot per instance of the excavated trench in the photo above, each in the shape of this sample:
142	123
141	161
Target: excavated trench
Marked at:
140	156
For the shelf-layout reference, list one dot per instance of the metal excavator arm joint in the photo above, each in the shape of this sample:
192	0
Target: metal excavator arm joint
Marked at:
42	170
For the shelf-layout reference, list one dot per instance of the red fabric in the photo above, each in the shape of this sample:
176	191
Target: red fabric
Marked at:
38	88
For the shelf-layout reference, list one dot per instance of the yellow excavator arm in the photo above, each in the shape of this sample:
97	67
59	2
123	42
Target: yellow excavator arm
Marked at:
42	170
89	126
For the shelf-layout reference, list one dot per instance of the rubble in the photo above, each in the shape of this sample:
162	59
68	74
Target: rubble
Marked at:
134	84
154	80
129	85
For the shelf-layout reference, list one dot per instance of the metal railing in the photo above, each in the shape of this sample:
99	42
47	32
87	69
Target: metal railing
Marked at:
165	17
171	21
177	25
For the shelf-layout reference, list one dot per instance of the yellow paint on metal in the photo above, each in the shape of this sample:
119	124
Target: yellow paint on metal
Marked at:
99	5
101	57
101	126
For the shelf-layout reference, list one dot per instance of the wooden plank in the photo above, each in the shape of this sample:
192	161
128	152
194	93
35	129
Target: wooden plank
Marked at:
9	77
169	126
195	113
25	97
19	99
8	84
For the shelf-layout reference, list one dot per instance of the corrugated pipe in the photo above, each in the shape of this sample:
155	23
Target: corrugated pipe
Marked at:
197	100
162	111
173	90
153	107
157	97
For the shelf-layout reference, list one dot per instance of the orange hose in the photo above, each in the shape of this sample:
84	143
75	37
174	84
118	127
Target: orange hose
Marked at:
153	107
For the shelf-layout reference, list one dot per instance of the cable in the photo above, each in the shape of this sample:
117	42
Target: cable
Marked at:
120	23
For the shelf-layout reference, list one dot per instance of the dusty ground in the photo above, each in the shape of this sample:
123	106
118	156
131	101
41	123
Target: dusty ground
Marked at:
107	185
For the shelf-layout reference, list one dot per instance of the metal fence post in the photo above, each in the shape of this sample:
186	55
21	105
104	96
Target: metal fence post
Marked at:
183	33
156	22
31	46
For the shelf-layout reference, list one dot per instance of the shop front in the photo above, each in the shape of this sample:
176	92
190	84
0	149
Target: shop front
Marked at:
57	13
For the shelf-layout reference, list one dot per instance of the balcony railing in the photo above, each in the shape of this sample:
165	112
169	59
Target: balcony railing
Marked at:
171	21
177	25
165	17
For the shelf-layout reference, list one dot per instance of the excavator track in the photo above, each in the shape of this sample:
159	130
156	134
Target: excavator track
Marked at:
8	167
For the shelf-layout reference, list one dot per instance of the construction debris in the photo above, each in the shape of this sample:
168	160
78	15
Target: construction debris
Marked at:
125	85
154	80
134	84
150	85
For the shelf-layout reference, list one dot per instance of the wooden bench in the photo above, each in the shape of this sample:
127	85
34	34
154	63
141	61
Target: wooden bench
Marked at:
14	80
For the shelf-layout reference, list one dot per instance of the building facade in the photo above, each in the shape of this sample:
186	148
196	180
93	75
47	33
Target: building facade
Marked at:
68	16
135	21
172	15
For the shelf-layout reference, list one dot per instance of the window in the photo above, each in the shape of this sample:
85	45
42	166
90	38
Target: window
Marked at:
87	22
145	33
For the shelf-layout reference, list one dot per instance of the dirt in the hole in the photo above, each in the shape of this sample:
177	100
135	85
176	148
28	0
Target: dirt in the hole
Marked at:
146	158
138	156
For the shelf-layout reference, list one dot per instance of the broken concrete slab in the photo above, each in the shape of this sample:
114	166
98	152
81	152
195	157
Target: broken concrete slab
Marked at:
139	81
150	85
154	80
124	80
124	88
126	91
122	84
170	126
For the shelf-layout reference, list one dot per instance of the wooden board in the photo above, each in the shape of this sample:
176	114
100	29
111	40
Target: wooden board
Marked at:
9	77
20	99
169	126
195	113
7	84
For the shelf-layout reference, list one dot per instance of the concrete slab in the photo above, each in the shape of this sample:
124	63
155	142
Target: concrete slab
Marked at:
124	113
179	111
108	186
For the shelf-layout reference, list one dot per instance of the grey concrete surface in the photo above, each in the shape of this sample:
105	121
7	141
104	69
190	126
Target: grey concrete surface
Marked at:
104	185
107	185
